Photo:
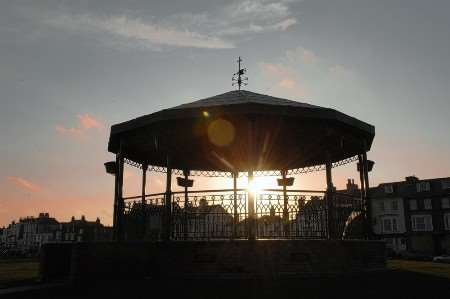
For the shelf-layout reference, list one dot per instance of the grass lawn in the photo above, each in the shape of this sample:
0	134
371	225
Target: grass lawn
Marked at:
404	279
15	272
430	268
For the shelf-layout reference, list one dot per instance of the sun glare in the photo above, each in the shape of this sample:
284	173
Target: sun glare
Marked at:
260	183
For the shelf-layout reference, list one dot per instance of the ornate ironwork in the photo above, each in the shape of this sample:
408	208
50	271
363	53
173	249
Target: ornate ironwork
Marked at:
207	173
209	216
217	214
303	217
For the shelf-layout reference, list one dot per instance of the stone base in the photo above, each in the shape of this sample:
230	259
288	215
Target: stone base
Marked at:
215	259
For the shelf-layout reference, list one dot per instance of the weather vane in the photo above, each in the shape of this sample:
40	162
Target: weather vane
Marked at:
238	78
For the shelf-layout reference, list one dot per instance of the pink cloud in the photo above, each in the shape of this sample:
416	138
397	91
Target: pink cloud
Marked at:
287	83
86	123
24	184
68	131
309	57
285	78
302	55
274	69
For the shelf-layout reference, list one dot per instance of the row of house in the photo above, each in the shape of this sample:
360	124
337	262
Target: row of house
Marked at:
413	215
29	233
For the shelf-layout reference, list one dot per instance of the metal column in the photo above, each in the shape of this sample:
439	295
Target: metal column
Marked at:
143	203
285	206
168	203
186	204
330	205
119	204
235	203
367	206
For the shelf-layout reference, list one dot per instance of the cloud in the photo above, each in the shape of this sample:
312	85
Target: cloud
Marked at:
253	28
254	16
341	71
217	28
287	83
88	122
276	69
284	78
85	124
258	10
302	55
138	30
24	184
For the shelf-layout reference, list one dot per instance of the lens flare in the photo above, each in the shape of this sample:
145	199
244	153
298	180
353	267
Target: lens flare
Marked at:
221	132
260	183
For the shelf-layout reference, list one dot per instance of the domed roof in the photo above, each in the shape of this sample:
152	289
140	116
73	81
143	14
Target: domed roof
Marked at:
308	134
238	97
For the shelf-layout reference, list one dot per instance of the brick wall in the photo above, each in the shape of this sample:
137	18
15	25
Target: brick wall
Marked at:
266	258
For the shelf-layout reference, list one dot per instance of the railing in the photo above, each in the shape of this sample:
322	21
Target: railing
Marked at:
213	215
301	215
218	214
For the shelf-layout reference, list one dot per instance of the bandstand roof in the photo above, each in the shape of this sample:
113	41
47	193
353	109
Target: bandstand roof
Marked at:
261	133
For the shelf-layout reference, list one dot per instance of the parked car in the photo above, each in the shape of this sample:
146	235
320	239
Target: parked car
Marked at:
442	259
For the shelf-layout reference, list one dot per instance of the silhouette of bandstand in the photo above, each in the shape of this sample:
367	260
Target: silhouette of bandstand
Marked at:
235	231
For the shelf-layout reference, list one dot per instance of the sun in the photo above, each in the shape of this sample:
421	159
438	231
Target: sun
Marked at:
258	184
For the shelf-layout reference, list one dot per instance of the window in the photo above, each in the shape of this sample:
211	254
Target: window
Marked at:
388	189
447	221
394	205
421	223
389	225
445	184
381	206
427	205
423	186
413	204
445	203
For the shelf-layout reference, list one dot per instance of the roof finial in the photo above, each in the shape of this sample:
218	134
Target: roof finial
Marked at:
238	78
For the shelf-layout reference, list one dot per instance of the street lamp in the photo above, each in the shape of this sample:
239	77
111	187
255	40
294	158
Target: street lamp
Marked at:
110	167
370	164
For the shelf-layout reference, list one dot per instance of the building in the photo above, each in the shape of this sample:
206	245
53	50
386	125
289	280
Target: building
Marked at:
202	221
82	230
30	233
413	215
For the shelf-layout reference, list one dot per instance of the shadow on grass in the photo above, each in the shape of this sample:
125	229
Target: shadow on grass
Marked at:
18	272
385	284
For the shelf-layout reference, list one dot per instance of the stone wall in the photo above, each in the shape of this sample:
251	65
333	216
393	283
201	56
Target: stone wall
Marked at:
265	258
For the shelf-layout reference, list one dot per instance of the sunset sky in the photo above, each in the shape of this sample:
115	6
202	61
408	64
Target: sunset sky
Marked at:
71	69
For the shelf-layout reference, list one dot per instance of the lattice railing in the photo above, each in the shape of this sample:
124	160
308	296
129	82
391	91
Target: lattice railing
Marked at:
217	214
212	215
212	173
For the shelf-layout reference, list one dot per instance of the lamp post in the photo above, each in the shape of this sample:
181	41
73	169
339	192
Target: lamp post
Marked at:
285	182
111	168
364	166
186	183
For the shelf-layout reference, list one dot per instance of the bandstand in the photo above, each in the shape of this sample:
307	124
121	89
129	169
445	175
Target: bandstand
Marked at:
232	232
235	134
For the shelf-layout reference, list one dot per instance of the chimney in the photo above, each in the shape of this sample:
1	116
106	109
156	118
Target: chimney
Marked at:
411	179
351	186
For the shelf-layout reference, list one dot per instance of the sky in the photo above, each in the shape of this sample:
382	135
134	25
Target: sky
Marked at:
71	69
